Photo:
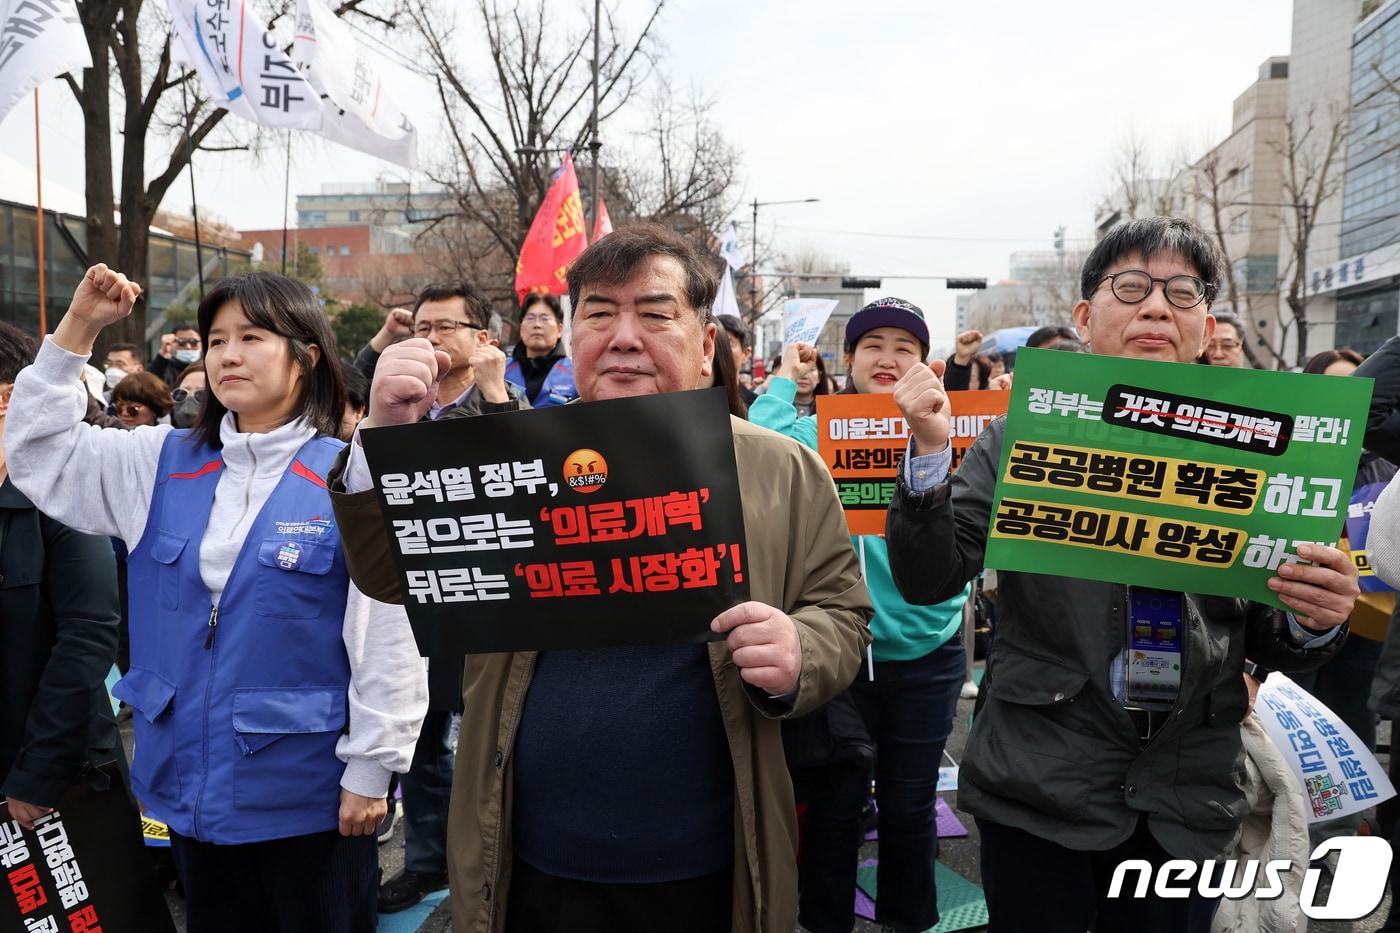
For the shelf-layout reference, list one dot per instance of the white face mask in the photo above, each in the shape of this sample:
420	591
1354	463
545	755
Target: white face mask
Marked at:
115	374
186	356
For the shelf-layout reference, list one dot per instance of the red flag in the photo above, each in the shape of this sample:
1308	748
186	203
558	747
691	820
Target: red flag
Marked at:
602	224
555	239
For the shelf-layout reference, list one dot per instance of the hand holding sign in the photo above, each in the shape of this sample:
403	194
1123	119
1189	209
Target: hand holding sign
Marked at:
764	644
1321	594
405	382
799	359
920	397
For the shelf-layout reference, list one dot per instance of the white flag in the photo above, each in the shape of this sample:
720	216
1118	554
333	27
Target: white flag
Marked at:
360	109
726	301
729	248
39	39
240	65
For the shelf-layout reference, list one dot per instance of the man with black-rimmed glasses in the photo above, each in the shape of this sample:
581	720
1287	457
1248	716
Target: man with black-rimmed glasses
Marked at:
455	318
1070	768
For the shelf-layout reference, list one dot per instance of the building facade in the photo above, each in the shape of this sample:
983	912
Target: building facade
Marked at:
1362	281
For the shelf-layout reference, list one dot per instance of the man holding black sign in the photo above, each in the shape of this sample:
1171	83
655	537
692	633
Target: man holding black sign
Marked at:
644	787
1071	767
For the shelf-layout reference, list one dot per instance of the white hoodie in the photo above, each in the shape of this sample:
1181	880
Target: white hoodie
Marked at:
51	454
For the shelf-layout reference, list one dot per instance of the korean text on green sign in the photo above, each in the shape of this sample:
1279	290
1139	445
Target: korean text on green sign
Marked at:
1200	479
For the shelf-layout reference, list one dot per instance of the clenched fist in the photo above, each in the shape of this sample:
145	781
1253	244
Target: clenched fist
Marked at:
398	325
101	298
488	365
799	359
968	343
920	397
405	383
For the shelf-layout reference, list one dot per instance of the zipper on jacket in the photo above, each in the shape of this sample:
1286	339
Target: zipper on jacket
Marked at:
204	739
213	626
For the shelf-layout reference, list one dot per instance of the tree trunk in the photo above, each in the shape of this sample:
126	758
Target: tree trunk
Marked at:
97	139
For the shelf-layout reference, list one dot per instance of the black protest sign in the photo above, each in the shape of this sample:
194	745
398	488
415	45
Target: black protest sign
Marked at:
82	869
583	526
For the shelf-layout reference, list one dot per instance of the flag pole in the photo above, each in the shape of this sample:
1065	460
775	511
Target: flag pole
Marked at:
593	143
39	211
286	197
189	164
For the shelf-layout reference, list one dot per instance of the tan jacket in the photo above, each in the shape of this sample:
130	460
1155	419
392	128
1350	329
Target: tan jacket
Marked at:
800	560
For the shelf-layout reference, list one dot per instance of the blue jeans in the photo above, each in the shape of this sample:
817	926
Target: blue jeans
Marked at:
908	709
427	788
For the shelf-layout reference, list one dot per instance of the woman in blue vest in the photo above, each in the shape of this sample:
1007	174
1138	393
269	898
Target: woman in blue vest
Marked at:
907	691
538	365
272	699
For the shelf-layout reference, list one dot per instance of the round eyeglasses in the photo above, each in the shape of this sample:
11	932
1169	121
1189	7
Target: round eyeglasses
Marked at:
1133	286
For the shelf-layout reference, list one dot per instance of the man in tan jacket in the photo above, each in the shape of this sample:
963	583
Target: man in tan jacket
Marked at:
640	788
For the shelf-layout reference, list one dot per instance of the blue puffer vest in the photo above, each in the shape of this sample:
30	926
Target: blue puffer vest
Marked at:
558	387
238	709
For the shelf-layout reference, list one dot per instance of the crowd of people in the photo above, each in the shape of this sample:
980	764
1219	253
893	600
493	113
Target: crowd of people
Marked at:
207	521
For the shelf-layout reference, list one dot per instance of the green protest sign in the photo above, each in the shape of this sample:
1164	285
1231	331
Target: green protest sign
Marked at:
1199	479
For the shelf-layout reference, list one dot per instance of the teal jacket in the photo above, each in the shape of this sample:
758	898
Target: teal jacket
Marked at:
902	632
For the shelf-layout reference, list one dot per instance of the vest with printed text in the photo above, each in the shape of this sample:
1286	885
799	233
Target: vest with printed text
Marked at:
237	710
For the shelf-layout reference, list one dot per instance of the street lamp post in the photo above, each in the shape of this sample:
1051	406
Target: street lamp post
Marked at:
753	269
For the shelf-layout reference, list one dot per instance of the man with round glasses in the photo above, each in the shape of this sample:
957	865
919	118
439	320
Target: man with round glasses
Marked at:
1067	775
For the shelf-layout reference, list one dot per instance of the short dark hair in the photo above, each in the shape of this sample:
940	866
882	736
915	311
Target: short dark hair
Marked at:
616	257
541	298
478	306
356	386
196	367
289	309
1231	318
1042	336
131	348
1068	344
1319	363
1151	237
148	389
184	325
734	326
17	351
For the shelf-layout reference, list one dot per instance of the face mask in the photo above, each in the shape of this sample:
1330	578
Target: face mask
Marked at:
186	356
115	374
186	411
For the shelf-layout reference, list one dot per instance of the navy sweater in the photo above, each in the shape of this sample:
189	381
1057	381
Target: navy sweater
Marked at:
622	769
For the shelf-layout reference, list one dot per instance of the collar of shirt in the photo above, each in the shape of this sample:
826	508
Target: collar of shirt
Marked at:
437	411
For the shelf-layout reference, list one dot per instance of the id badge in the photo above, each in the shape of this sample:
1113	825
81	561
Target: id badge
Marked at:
1154	643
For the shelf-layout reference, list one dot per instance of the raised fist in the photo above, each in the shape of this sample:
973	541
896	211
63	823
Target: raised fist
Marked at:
103	297
405	382
920	397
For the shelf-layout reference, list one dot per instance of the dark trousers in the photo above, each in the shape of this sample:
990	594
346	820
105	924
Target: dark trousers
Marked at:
908	710
540	903
1032	883
318	883
427	788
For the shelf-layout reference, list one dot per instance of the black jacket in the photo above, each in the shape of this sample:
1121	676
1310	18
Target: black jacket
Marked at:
1383	424
58	625
1052	751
